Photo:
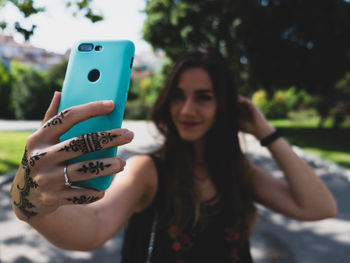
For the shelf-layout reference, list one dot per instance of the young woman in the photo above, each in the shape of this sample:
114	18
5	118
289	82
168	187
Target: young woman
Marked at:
193	199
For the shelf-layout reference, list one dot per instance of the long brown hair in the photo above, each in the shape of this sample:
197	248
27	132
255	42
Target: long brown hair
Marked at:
224	159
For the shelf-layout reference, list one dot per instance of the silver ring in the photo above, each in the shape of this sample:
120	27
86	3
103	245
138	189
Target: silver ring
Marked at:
66	179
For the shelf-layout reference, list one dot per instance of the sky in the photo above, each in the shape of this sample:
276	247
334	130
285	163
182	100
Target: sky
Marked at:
57	30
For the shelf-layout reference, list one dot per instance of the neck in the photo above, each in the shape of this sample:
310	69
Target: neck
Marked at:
199	153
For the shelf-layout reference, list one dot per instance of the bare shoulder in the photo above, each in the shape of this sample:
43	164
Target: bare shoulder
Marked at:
141	167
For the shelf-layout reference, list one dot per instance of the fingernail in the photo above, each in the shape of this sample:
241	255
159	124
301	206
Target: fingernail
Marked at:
55	94
128	135
123	162
108	103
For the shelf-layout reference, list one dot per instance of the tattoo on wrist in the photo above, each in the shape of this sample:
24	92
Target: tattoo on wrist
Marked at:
90	142
93	167
24	204
56	119
24	161
83	199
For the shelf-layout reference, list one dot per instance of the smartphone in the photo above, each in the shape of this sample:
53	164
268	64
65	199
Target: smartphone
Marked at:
97	70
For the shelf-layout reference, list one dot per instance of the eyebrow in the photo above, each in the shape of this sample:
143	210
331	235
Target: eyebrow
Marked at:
204	90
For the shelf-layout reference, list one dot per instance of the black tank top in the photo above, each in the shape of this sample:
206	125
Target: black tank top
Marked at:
218	242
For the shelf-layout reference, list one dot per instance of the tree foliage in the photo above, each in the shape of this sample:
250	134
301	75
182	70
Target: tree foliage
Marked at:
6	110
271	44
29	8
30	93
56	75
25	92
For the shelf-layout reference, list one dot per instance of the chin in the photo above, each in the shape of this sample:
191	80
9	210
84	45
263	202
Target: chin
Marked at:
190	137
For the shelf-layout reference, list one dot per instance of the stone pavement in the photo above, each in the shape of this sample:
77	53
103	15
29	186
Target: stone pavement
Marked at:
276	239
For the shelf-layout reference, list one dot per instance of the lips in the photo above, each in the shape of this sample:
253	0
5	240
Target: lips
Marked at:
188	124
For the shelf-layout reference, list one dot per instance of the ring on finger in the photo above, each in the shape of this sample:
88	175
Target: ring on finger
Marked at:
66	179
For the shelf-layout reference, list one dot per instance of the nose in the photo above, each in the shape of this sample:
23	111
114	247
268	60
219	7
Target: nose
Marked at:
188	107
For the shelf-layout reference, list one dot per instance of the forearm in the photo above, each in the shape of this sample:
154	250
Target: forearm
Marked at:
69	227
41	194
303	195
306	188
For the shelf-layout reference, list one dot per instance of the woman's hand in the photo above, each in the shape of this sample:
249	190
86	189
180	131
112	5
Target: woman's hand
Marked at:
251	120
39	186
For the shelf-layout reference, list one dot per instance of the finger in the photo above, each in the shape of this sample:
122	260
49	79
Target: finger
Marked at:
65	120
90	142
81	196
94	168
242	99
53	108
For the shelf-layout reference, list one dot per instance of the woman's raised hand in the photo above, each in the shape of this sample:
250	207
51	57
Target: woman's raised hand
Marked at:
251	120
39	186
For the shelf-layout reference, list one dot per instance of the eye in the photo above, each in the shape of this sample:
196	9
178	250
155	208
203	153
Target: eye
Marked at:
204	97
177	95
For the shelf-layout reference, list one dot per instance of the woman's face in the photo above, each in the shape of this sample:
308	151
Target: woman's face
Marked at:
193	104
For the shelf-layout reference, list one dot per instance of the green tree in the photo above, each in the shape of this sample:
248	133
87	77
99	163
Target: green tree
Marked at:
29	8
30	94
270	44
342	108
56	75
6	110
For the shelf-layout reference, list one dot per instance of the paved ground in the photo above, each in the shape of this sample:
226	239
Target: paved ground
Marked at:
277	238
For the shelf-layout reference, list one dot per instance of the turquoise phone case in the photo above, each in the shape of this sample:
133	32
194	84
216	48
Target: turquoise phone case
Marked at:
113	60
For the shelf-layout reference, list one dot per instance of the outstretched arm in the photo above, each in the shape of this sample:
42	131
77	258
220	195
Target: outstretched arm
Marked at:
302	195
74	218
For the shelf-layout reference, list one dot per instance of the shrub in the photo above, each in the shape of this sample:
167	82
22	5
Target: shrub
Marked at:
136	110
276	107
30	93
56	75
298	99
279	105
6	110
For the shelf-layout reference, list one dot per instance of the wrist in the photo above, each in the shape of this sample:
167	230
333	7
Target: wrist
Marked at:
273	136
264	131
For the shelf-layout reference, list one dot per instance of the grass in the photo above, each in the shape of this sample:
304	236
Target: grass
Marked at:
328	143
11	149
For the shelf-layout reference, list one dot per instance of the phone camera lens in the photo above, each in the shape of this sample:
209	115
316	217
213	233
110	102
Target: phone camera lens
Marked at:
86	47
98	48
94	75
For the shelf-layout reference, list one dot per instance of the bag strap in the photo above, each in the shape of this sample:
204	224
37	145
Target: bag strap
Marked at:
155	221
151	239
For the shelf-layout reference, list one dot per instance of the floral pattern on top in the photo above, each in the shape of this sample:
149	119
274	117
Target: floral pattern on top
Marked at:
233	237
184	242
180	241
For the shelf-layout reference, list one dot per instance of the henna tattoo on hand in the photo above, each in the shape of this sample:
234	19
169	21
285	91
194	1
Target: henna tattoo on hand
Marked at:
56	119
90	142
35	157
93	168
83	199
24	161
24	204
